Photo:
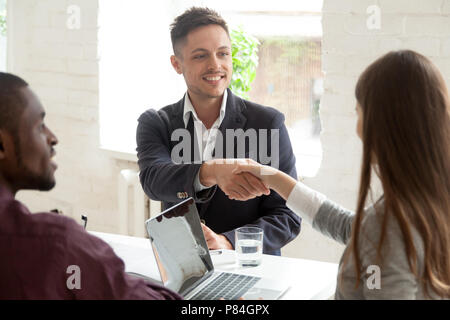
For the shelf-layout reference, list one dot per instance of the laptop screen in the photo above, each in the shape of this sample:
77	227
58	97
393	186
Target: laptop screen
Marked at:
179	246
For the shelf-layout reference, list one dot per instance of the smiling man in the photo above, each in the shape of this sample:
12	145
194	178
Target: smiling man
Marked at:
208	110
38	251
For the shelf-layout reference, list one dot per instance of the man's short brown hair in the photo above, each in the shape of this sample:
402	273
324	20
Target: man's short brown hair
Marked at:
191	19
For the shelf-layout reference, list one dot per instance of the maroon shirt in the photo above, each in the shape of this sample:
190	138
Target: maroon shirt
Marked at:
36	251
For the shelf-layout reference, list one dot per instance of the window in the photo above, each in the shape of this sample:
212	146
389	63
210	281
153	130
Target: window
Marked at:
135	70
3	35
289	78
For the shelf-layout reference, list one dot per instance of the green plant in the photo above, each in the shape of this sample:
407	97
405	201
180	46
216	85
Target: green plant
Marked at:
245	61
3	23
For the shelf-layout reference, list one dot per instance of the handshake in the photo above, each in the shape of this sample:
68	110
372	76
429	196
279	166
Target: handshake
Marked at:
239	179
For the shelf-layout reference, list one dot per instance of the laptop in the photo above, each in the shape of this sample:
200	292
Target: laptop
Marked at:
185	264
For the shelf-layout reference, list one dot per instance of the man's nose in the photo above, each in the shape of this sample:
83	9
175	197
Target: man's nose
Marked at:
52	139
213	63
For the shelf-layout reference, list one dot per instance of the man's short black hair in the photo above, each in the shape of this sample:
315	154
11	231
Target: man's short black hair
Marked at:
192	19
12	101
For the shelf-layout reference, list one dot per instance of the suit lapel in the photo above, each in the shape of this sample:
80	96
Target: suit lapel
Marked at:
234	119
176	118
177	122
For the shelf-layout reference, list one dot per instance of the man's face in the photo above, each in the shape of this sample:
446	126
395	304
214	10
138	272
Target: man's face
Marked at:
205	61
29	155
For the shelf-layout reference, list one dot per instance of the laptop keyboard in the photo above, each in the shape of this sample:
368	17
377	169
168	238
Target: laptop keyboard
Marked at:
229	286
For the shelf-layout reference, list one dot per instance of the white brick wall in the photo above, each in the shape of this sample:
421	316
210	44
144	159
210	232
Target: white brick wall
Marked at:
348	47
61	65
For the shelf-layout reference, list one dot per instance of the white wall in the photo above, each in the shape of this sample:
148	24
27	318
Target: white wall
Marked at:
62	67
348	47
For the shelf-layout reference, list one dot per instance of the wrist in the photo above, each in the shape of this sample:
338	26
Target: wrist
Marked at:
207	173
272	180
226	243
282	183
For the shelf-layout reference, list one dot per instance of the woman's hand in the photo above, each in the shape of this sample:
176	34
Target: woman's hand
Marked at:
242	187
271	177
260	171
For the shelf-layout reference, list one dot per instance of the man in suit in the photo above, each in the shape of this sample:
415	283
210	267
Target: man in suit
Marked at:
218	125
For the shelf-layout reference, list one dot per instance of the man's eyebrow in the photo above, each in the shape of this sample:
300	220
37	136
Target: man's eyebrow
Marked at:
204	50
199	49
42	114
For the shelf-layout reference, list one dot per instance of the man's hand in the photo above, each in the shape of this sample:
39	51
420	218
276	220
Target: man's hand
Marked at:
241	187
215	241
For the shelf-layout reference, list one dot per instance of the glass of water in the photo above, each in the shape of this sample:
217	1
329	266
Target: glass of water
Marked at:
249	243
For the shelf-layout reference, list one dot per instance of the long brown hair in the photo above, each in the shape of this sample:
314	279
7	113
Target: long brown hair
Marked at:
406	133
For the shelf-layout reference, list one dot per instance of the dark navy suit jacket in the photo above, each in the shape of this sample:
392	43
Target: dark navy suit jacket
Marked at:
165	181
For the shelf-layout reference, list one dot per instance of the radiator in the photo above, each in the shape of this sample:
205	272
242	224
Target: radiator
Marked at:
131	222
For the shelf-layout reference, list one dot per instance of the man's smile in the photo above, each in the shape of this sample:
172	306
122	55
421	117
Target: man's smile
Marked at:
213	79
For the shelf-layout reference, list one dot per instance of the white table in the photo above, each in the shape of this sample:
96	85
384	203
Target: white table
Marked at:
307	279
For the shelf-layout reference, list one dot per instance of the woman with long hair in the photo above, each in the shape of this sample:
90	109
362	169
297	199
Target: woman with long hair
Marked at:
403	112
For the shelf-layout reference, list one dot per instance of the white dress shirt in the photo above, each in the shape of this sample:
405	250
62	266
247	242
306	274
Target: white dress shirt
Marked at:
207	143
